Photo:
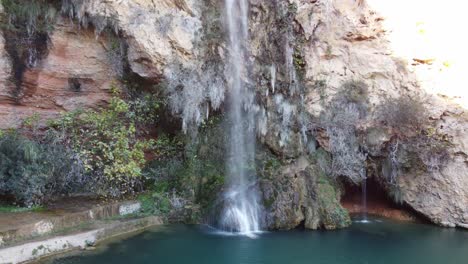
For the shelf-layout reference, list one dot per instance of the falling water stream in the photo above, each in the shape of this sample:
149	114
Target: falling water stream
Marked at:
364	200
241	209
273	77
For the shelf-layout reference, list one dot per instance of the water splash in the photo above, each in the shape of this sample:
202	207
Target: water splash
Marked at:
241	208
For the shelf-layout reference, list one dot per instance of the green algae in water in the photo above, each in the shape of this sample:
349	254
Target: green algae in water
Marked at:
377	242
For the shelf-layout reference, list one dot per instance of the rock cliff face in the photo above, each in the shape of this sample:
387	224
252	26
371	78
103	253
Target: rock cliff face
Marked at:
441	194
327	80
76	73
300	194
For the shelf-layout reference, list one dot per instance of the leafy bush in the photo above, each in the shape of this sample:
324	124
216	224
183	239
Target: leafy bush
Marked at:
144	109
31	172
100	151
192	167
108	145
155	203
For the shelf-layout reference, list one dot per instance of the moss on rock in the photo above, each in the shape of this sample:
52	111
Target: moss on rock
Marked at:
332	214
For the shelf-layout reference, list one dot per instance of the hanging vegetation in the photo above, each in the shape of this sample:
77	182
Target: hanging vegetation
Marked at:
26	26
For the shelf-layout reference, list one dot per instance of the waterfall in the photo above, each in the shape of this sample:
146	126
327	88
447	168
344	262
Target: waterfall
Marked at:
291	68
364	200
241	209
273	77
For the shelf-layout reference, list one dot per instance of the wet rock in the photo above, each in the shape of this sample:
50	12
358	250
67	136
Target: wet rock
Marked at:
301	195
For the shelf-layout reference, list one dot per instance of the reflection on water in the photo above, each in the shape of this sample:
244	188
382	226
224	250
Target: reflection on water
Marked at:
375	242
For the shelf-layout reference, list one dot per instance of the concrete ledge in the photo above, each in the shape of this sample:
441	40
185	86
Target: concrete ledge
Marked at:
34	251
33	225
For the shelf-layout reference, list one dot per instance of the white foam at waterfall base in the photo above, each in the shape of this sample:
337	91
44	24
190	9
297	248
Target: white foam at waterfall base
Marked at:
240	214
241	210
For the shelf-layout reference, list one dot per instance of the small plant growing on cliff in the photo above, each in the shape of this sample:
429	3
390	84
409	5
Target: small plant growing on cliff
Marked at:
116	48
423	148
299	60
329	52
292	8
403	114
32	122
396	193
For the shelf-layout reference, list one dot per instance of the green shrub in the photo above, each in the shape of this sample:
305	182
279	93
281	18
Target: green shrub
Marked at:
108	144
99	151
155	203
31	172
192	167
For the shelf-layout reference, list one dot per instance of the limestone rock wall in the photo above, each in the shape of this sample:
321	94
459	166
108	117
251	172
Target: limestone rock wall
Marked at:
335	42
158	32
75	74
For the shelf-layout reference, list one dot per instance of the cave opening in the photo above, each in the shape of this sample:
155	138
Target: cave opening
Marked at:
378	202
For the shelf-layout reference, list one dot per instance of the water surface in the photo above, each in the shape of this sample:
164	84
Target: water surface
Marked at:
377	242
